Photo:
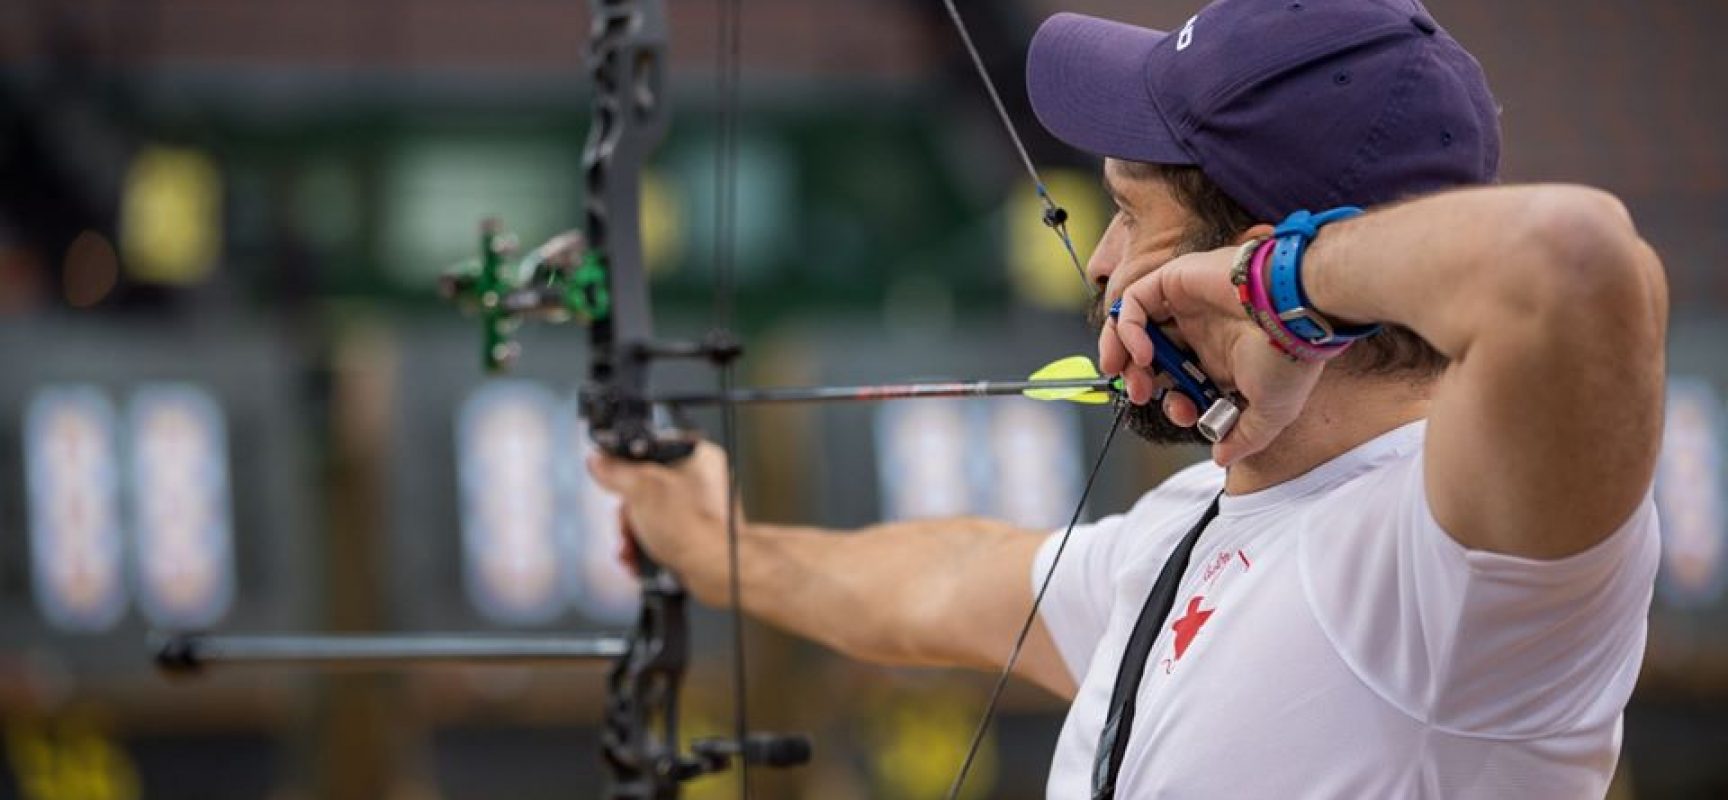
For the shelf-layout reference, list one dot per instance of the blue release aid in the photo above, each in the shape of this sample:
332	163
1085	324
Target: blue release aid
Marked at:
1217	411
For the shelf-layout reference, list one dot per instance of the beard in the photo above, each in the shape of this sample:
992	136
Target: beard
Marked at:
1148	421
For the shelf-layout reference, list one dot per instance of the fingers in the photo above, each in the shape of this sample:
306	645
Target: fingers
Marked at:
1124	346
1112	356
1124	349
622	477
612	474
1142	381
629	552
1179	409
1131	323
709	458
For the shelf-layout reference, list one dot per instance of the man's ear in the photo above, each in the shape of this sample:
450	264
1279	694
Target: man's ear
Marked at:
1261	229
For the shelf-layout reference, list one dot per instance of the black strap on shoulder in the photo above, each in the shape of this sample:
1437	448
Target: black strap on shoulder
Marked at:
1113	742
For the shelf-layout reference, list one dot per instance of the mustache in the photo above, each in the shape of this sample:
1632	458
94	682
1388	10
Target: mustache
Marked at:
1097	313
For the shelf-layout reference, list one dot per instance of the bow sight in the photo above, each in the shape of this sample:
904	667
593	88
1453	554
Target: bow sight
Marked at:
563	281
559	281
595	278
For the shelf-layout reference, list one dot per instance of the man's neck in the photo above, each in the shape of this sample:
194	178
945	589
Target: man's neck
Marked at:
1343	412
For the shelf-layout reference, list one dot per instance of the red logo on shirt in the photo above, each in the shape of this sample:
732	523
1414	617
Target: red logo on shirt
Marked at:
1189	625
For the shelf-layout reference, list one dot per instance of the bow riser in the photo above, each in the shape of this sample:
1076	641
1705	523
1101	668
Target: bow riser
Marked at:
627	62
627	56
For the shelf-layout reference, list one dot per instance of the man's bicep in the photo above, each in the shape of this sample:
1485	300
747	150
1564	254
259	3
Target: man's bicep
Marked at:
1042	664
1543	436
1540	457
994	595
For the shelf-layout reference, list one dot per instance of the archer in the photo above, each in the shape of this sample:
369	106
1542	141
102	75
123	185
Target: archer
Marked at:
1441	475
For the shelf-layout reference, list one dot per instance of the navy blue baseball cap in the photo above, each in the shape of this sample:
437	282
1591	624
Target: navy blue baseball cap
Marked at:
1285	104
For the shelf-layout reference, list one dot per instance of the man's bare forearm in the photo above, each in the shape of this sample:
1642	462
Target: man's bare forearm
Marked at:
1456	266
948	592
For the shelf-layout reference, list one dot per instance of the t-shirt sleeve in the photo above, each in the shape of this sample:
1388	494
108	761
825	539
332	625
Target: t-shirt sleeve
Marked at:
1076	607
1476	642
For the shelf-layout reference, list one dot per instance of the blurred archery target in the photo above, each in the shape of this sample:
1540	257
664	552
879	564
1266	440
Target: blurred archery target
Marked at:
922	462
183	529
1010	459
1689	496
601	587
509	435
1036	481
72	477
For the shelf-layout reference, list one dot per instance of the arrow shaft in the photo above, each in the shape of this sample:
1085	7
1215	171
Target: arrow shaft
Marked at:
891	391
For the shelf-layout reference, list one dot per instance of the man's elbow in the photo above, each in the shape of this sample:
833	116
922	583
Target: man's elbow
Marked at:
1590	272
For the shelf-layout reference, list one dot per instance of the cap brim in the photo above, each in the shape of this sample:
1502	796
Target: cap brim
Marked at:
1086	78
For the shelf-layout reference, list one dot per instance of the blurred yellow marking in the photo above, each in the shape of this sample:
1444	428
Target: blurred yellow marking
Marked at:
921	738
171	216
662	224
69	761
1039	267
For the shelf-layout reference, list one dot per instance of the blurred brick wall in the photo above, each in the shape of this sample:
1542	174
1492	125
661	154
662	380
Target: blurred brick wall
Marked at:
854	37
1622	94
1627	95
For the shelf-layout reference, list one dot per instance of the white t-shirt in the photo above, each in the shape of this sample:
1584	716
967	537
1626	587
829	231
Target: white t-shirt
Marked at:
1329	639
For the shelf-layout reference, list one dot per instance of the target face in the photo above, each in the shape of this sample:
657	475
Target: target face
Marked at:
509	435
76	546
1689	497
183	531
922	461
602	588
539	536
1012	459
1036	464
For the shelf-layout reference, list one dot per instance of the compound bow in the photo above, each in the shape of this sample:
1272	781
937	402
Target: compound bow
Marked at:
598	277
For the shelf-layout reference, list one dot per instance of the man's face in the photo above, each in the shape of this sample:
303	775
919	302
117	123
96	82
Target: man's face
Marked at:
1149	229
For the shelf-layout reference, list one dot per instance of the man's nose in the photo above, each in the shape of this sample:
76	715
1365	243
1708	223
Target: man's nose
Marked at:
1105	257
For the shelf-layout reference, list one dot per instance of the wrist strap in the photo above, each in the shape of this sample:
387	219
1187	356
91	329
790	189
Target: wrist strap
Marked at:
1284	280
1250	280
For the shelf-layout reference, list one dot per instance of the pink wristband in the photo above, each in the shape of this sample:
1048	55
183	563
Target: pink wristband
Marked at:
1260	308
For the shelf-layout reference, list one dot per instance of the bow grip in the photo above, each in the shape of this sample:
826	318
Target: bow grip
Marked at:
1218	412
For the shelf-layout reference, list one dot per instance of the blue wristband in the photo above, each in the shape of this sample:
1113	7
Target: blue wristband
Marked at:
1284	279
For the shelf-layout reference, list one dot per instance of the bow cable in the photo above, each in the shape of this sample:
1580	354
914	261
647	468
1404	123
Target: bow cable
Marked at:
727	49
1055	216
1056	219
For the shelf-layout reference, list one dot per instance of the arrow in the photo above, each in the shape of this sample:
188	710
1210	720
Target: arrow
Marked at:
1073	379
1073	369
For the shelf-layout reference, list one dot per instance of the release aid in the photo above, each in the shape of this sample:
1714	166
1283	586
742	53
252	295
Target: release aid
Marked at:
1218	413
